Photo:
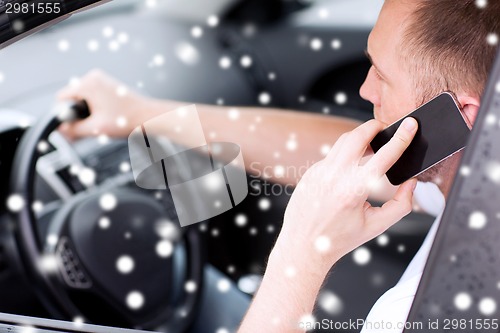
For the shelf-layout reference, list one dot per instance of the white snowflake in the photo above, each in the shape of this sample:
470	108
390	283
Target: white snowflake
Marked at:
15	203
190	286
323	13
341	98
121	91
362	256
113	46
27	329
135	300
63	45
104	222
48	263
18	26
37	206
187	53
279	171
264	204
316	44
125	264
125	167
477	220
246	61
108	31
330	303
93	45
196	32
383	240
158	60
336	44
465	171
292	144
325	149
491	119
121	122
264	98
492	39
164	248
225	62
52	239
322	244
78	321
223	285
123	38
307	320
213	182
241	220
487	306
481	3
493	171
108	201
462	301
249	30
43	146
290	272
212	21
233	114
151	3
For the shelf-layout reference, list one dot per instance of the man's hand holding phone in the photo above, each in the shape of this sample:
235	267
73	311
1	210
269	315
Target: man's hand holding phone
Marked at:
327	217
329	214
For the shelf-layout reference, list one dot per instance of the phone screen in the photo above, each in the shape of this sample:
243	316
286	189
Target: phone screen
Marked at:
442	131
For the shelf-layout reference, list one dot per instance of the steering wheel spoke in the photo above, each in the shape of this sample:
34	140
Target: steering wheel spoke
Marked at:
62	168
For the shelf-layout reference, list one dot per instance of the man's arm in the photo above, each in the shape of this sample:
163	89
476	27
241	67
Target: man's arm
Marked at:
327	217
277	144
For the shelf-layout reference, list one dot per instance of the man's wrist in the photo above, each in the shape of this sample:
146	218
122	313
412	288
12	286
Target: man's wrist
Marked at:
293	259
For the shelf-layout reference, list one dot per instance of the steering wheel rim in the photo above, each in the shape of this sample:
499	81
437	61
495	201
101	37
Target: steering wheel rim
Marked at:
56	300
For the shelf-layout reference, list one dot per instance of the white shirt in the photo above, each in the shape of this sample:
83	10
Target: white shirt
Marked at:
391	310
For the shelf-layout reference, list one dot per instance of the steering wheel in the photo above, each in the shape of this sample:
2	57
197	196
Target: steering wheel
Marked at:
112	255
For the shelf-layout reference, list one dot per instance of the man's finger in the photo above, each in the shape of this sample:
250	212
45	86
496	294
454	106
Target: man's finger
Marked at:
356	142
385	158
379	219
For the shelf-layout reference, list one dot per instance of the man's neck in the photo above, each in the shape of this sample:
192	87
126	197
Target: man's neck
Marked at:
452	165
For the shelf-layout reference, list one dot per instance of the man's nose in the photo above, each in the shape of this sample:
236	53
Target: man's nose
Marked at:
368	90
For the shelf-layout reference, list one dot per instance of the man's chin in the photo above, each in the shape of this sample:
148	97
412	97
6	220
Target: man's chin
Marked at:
430	176
442	171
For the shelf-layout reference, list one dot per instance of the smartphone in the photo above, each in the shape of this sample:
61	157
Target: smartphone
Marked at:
443	130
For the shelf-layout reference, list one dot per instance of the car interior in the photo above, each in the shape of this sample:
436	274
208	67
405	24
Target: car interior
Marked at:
61	255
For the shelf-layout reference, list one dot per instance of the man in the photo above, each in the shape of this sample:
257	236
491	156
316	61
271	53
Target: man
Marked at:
418	48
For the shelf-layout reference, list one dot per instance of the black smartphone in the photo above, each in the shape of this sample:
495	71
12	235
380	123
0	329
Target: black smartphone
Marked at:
442	131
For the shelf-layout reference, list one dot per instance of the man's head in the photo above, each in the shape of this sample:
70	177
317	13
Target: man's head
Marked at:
420	48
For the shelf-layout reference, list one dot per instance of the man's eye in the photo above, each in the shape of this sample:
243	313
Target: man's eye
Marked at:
377	74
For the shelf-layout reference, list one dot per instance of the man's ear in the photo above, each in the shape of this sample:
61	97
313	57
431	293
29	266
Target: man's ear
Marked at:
470	107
